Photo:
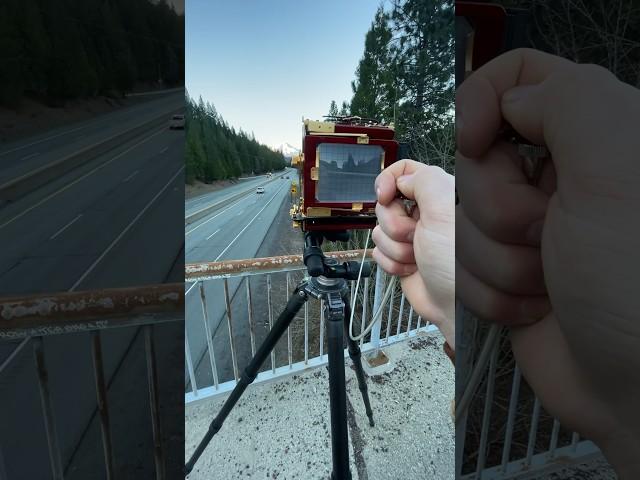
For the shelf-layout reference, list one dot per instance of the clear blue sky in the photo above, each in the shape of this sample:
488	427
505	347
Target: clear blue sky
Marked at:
266	64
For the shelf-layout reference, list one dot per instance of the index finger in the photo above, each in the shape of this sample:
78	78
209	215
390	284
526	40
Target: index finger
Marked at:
478	112
386	186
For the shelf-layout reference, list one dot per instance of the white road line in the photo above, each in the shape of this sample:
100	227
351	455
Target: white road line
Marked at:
190	288
131	176
216	215
247	225
65	227
127	228
6	152
213	234
66	187
163	150
29	156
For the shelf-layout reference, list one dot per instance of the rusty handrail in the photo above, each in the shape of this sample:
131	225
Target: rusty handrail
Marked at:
227	268
68	312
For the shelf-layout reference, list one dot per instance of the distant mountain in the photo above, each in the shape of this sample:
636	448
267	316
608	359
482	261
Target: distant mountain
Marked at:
287	150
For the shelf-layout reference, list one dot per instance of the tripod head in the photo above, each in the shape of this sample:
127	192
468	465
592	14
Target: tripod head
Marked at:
319	265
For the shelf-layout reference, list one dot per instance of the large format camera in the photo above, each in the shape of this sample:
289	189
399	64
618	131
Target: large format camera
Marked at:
340	160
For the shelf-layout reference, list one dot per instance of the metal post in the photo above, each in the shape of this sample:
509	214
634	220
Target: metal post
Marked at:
47	411
103	402
377	304
154	403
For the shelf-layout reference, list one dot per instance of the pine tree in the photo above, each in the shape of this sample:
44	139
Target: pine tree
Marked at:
373	90
333	109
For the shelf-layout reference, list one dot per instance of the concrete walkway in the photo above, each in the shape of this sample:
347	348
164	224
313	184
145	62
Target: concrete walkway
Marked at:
281	430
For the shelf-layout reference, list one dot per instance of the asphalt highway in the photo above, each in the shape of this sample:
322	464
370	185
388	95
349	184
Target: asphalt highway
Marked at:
115	221
234	231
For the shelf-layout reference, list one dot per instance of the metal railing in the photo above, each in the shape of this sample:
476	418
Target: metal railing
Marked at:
29	319
505	433
250	294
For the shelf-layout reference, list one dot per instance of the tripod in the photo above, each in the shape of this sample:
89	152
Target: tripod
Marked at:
328	282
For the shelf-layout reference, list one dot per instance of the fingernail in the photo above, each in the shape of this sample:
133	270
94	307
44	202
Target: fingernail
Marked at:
535	308
534	233
378	192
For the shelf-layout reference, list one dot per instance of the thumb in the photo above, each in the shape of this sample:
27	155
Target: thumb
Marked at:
431	187
524	107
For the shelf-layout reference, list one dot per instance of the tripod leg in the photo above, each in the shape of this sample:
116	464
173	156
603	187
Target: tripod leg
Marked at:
356	358
334	307
294	304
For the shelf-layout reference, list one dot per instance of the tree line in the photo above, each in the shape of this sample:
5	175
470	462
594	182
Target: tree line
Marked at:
216	151
66	49
603	32
406	77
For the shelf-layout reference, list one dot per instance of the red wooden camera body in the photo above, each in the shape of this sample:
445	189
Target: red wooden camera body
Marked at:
484	31
338	166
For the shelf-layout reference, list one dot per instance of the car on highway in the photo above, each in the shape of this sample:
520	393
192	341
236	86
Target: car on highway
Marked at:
260	190
176	122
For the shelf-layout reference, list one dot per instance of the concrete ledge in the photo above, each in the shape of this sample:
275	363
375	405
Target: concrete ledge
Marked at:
28	182
281	430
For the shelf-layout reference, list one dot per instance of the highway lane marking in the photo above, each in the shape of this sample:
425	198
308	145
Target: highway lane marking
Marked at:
6	152
30	156
66	187
163	150
127	228
213	234
131	176
247	226
190	288
216	215
65	227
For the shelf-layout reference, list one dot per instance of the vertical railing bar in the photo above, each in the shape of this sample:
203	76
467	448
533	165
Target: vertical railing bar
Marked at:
365	307
252	328
102	402
306	333
535	417
575	438
47	411
400	316
352	297
207	332
419	322
555	431
321	329
289	338
390	313
511	415
378	293
232	340
273	352
410	319
486	415
192	374
154	402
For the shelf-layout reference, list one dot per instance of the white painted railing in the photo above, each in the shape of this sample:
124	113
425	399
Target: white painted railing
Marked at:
255	282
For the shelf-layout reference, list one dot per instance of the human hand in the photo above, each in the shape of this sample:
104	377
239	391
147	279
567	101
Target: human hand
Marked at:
565	252
419	247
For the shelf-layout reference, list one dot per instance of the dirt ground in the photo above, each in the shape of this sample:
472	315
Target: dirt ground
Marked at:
32	116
